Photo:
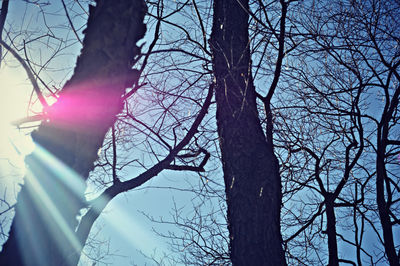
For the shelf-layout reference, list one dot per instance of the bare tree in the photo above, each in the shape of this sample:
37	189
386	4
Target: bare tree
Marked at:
305	91
325	126
63	135
251	170
333	82
75	131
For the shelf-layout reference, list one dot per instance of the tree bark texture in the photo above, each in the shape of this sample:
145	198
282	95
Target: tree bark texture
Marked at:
252	181
331	230
43	229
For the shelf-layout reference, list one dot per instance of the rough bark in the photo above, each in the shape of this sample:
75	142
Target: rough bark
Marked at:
43	229
252	181
331	230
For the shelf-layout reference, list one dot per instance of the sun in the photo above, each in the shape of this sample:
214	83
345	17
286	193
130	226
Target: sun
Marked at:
14	98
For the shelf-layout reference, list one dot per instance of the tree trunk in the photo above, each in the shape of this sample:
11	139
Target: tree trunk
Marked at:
331	230
383	206
252	181
43	229
383	201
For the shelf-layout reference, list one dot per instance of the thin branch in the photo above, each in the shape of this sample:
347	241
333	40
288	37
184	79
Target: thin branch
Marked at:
97	205
70	22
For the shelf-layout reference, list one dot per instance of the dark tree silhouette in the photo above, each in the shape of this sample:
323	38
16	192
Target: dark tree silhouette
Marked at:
251	170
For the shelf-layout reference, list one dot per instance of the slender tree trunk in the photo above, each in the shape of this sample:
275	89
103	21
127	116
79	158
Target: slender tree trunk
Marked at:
252	181
384	201
383	207
331	231
43	229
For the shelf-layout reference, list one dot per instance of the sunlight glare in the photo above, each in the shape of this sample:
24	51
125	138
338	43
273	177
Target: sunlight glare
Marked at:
49	184
14	94
14	97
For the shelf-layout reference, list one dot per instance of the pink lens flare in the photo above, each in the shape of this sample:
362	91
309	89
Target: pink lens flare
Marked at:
85	106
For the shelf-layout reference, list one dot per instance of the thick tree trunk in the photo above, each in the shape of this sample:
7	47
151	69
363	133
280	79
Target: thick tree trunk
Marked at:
331	231
43	229
251	175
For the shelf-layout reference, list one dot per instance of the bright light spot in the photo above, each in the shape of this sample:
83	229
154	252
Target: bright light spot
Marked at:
14	94
14	97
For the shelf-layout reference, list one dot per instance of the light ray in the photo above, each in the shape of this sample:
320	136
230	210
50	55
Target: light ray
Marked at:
51	182
128	229
49	209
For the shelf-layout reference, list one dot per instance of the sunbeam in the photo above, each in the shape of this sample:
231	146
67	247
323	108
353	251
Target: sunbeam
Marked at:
44	191
49	183
124	224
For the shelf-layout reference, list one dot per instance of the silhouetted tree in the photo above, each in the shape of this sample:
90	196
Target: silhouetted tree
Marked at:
77	125
251	170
